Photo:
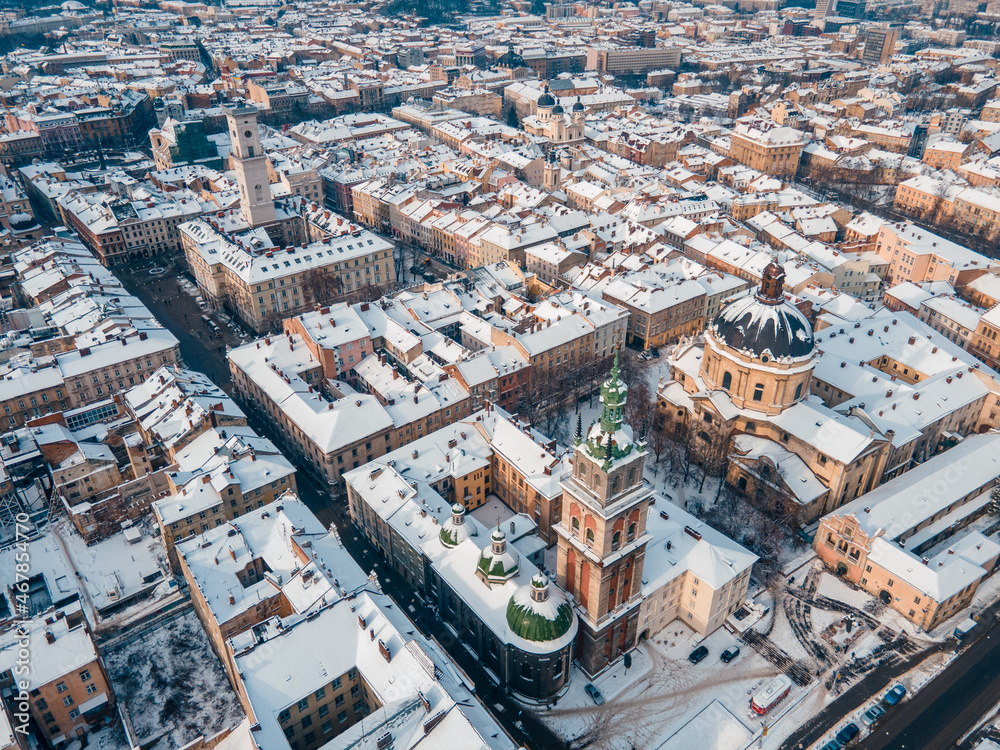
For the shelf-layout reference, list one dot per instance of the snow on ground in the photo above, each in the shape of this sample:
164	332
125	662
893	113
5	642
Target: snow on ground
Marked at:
715	726
833	587
108	738
673	700
172	684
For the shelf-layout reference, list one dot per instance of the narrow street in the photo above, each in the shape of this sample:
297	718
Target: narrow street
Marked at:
178	312
948	707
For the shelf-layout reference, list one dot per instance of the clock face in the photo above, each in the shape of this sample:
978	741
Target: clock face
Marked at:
248	134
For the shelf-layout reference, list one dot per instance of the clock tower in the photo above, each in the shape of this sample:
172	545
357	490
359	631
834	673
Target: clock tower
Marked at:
250	163
602	532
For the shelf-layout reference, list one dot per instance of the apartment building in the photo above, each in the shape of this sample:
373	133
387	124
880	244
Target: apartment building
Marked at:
767	147
878	541
98	371
660	310
485	453
326	424
277	582
550	261
678	581
119	230
984	343
917	255
69	690
632	60
263	284
336	336
28	391
219	476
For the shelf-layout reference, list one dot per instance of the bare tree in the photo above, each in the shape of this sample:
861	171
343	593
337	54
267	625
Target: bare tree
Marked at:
399	260
640	404
321	287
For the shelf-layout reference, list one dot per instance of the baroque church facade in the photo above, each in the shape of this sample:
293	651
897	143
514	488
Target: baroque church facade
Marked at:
743	395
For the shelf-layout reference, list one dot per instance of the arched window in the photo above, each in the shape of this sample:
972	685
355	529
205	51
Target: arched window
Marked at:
798	391
575	524
758	392
590	537
631	531
631	476
616	484
727	380
616	540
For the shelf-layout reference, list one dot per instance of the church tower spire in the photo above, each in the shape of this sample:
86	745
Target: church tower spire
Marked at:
250	164
602	530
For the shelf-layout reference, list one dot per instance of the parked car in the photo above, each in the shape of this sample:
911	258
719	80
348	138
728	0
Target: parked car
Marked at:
729	654
872	715
848	734
698	654
655	353
595	694
894	696
831	745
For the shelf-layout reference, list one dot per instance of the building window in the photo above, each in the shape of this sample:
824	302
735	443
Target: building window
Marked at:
798	391
758	392
727	380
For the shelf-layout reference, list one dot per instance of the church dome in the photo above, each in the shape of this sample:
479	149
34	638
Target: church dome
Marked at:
765	324
510	59
557	110
454	531
538	612
546	99
498	562
578	106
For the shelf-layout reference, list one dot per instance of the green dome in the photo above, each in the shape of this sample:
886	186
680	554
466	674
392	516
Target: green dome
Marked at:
454	531
537	614
497	563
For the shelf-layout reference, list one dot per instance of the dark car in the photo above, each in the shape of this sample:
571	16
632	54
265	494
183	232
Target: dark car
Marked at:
655	353
831	745
698	655
894	696
729	654
594	693
847	735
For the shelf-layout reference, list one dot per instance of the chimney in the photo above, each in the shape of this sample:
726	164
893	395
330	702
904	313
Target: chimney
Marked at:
50	637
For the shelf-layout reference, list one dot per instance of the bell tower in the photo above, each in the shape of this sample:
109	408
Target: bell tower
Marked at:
550	174
602	532
250	163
